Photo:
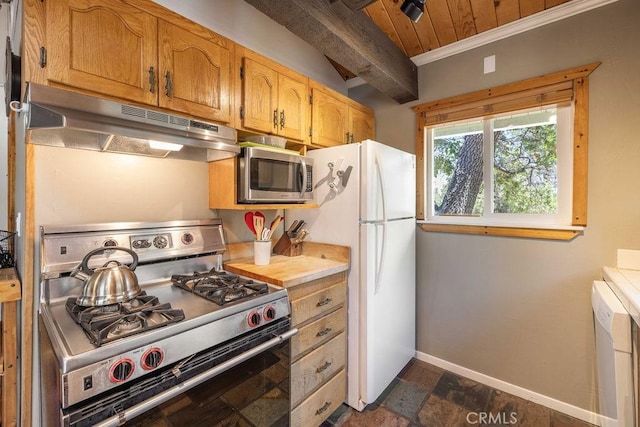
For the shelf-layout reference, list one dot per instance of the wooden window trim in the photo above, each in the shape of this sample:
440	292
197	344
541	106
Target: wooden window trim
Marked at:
562	86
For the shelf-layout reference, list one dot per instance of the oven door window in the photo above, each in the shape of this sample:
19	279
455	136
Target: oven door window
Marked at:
275	175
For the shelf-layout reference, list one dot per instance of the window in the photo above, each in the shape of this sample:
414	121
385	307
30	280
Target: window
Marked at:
510	169
510	160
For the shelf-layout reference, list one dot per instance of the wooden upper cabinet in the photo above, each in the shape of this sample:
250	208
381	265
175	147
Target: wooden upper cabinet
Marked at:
338	120
293	100
274	101
195	73
104	46
260	97
362	123
117	49
330	119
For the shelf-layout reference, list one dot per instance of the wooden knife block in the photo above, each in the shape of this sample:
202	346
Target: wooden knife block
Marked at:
285	246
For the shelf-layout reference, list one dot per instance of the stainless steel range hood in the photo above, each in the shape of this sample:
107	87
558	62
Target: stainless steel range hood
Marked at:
61	118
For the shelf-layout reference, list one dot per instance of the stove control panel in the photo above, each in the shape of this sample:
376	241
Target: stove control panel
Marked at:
151	242
65	248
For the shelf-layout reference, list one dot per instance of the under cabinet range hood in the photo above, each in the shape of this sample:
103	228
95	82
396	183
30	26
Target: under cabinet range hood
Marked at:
61	118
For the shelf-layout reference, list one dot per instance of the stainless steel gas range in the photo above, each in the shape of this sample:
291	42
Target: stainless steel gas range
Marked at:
106	363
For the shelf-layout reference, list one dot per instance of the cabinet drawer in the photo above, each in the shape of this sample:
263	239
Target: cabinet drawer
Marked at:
318	332
316	367
315	409
318	302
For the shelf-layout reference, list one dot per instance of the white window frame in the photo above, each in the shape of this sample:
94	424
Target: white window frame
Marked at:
561	219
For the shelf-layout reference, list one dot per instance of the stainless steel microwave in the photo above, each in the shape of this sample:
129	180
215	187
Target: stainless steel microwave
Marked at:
270	176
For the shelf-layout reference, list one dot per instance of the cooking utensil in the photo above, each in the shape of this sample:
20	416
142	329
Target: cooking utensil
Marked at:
258	224
248	219
112	283
274	224
301	236
298	227
292	226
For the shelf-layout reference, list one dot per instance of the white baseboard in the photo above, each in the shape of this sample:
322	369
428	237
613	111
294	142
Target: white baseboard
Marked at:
549	402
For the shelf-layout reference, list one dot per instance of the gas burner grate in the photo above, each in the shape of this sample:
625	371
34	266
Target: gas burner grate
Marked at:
104	324
220	287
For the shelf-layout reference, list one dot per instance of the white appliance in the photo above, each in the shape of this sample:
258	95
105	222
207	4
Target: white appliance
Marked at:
614	357
366	197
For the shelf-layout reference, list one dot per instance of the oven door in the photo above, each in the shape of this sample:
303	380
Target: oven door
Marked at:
266	176
245	380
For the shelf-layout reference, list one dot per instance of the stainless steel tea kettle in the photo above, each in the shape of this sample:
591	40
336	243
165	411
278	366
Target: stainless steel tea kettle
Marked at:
112	283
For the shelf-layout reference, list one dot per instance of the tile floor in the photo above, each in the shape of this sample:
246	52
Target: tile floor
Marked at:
425	395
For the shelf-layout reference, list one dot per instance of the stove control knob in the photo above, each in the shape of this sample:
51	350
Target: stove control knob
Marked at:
109	243
187	238
270	313
152	358
160	242
254	318
121	370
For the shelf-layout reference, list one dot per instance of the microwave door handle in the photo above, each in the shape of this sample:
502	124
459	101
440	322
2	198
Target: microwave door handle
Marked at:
303	178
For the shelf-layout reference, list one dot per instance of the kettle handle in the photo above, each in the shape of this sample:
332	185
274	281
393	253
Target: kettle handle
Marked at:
85	261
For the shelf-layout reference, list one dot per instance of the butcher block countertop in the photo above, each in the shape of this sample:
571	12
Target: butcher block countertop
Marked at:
317	260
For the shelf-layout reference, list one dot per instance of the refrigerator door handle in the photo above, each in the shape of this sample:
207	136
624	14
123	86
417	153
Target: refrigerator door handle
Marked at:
380	261
381	181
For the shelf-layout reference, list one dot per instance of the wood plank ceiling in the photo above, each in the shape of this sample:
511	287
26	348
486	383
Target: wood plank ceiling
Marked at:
447	21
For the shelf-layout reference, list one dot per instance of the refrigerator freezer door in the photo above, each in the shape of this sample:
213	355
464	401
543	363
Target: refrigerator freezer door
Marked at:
386	304
388	181
336	219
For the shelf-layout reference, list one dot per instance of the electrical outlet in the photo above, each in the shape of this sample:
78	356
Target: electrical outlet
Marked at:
489	64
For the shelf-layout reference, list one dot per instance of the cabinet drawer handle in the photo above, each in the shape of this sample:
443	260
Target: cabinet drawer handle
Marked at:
324	408
323	367
323	332
152	80
324	302
168	83
282	119
275	119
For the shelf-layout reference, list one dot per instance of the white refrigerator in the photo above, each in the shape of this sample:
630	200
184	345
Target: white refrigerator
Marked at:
366	196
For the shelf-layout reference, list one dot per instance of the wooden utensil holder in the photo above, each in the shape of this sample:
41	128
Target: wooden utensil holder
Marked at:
286	246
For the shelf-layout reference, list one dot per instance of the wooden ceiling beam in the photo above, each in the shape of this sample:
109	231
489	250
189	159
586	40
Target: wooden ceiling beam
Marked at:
350	39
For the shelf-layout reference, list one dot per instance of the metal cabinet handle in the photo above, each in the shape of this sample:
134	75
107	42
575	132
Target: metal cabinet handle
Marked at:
168	85
323	367
152	80
324	302
323	332
275	119
282	118
351	138
323	408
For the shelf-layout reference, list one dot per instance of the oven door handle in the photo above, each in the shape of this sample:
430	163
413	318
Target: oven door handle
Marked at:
132	412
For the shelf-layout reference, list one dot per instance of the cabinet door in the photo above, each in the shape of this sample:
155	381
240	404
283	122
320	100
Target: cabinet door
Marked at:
362	125
259	97
293	104
195	73
330	120
104	46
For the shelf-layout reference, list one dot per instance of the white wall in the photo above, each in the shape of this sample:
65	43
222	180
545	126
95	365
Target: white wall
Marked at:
519	309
